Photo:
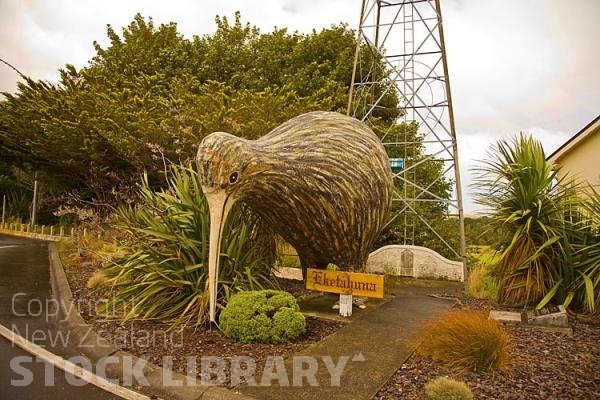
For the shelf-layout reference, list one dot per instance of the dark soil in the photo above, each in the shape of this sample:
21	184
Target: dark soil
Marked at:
544	365
295	287
152	340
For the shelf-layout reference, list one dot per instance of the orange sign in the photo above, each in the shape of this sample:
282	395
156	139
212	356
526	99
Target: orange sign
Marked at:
357	284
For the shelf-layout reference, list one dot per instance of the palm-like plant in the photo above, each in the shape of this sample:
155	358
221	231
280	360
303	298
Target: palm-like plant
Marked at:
587	283
161	271
527	199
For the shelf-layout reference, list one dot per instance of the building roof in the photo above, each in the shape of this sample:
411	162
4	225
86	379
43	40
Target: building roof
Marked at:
575	140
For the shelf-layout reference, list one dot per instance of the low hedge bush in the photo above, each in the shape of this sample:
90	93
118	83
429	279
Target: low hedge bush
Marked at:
265	316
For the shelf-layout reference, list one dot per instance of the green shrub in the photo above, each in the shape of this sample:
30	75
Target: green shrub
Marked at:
262	316
332	267
163	261
447	389
467	340
586	285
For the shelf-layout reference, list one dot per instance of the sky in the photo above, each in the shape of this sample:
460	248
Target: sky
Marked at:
515	66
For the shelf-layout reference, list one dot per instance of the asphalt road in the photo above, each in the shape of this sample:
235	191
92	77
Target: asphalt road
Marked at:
27	378
26	309
25	284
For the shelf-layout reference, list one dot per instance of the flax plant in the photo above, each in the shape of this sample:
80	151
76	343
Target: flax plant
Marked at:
587	283
526	197
161	270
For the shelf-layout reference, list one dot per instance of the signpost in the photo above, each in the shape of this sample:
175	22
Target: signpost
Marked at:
3	208
34	202
346	284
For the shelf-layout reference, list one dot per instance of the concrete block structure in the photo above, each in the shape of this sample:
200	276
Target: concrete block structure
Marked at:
414	261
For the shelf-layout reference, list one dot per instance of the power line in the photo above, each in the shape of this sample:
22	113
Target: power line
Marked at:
13	68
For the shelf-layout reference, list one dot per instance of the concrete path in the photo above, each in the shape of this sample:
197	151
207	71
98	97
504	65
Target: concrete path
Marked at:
385	338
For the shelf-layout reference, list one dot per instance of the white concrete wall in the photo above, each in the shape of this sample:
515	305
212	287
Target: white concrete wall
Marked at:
288	273
414	261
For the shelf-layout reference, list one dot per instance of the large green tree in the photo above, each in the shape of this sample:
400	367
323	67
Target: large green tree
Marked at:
152	95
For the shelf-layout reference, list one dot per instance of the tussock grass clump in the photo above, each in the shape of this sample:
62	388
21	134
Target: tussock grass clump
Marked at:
466	340
447	389
97	281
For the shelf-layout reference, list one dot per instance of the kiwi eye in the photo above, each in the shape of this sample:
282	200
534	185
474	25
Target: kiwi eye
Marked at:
233	178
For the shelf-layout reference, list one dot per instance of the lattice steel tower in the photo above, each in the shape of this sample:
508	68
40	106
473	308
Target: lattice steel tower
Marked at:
401	55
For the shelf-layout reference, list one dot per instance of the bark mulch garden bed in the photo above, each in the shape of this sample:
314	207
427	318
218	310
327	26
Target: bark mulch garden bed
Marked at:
153	341
544	365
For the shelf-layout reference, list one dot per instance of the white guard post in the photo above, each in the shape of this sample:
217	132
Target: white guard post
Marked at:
345	305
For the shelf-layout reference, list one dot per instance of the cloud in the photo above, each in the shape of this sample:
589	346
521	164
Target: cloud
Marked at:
40	36
474	150
577	88
520	67
16	49
498	63
525	60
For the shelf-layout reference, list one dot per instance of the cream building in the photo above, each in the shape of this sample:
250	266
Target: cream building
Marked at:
580	156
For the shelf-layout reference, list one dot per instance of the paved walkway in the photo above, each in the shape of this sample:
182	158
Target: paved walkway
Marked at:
385	337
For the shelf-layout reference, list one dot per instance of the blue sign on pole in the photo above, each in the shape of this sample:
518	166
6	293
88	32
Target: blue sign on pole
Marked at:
396	163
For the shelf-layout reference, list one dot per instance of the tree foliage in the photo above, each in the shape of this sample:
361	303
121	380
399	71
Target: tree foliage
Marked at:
151	95
406	223
479	231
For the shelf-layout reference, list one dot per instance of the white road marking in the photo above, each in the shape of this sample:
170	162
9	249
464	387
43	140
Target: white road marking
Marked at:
63	364
9	245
